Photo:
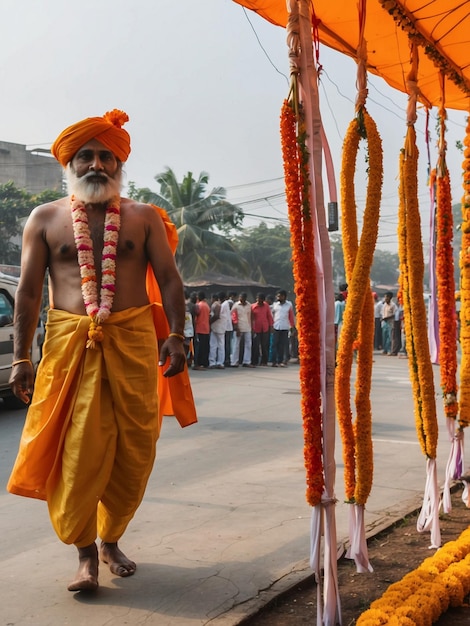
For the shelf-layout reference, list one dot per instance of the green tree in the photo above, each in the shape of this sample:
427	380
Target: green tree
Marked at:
385	267
269	254
337	260
15	205
48	195
198	215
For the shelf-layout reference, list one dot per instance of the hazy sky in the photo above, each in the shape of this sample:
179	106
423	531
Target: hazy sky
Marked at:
202	82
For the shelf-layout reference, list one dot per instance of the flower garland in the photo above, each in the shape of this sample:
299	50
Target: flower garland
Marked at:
404	20
446	282
411	281
98	311
424	594
297	182
363	424
356	330
464	416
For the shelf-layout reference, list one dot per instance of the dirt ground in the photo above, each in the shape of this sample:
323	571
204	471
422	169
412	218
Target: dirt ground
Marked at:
393	553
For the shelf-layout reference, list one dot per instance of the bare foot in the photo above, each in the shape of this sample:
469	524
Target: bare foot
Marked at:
86	578
118	562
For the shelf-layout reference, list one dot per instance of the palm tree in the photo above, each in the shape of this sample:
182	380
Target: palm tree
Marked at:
195	215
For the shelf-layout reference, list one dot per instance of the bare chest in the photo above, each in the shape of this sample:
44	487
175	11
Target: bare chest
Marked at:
62	247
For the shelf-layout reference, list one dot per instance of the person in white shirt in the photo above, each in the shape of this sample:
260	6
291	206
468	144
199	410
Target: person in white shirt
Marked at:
241	319
378	306
220	320
232	296
396	332
283	316
388	318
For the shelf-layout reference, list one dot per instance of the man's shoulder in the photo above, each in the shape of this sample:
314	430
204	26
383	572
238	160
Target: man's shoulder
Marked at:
127	204
60	203
50	209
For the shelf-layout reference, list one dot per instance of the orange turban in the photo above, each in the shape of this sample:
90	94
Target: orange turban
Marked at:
107	130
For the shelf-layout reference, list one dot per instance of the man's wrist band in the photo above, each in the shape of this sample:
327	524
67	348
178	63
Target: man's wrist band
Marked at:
21	361
177	335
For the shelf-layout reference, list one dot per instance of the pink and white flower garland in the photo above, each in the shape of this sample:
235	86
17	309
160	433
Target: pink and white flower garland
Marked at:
98	311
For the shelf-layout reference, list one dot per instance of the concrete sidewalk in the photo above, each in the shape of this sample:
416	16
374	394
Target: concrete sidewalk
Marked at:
224	523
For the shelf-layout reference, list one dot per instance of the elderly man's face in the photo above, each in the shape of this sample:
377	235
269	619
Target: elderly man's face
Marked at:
94	174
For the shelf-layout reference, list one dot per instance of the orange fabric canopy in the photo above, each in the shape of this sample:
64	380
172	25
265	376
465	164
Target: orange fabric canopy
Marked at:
441	27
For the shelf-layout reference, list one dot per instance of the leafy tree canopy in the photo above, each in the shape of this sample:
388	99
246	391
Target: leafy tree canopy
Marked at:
198	215
269	254
16	204
384	268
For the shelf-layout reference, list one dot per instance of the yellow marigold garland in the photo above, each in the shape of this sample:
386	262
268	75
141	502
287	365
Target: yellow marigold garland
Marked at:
420	597
297	183
411	281
357	443
464	416
363	424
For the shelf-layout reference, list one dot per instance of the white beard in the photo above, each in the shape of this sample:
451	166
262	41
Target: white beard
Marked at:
93	191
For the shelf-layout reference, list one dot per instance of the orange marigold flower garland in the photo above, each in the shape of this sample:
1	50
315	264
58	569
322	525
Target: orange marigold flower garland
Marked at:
411	281
445	280
446	290
363	424
297	183
356	439
464	416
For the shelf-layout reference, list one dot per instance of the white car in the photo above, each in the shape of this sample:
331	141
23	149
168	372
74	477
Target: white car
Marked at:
8	285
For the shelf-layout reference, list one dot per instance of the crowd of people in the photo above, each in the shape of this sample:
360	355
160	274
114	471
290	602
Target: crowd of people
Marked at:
389	328
232	332
388	318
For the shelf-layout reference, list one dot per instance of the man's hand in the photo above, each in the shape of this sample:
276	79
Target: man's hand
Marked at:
173	348
22	380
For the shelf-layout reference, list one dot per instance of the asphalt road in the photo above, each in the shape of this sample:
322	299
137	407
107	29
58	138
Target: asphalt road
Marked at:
224	516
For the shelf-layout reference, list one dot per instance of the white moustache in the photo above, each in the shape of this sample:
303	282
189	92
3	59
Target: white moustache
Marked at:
95	175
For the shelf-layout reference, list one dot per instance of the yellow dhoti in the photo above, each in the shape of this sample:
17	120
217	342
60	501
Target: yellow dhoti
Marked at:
88	445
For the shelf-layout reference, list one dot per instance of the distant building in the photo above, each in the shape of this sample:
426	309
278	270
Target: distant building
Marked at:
34	170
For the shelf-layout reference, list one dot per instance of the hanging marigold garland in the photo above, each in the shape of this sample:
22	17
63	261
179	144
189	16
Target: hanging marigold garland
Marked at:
446	281
464	416
297	183
411	281
357	330
363	424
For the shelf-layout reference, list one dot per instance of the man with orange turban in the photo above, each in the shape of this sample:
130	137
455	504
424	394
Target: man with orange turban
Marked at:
88	444
107	130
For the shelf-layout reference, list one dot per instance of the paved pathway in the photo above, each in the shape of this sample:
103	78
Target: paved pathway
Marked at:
224	515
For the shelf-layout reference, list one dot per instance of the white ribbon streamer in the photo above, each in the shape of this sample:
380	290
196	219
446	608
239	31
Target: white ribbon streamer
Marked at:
357	533
428	518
